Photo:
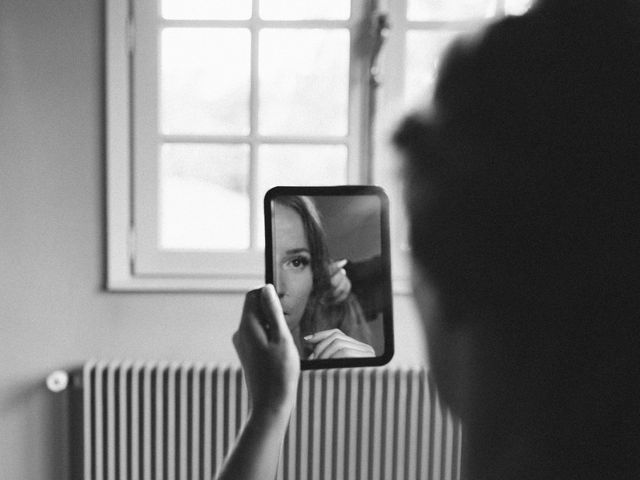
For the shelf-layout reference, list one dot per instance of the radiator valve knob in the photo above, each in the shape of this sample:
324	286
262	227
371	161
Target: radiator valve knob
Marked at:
57	381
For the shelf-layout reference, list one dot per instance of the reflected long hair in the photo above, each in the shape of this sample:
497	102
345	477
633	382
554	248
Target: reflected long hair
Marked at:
321	313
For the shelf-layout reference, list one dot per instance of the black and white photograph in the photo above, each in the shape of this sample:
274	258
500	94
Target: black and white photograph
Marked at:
330	267
319	239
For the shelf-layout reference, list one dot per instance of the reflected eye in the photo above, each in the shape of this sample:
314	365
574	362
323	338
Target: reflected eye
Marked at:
299	262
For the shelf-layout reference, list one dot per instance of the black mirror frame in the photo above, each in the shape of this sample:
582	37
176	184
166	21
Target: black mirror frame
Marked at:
341	190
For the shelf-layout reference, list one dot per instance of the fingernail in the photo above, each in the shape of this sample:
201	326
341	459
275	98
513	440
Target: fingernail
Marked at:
309	337
342	263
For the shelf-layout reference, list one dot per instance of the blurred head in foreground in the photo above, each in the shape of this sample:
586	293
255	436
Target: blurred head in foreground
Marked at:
522	188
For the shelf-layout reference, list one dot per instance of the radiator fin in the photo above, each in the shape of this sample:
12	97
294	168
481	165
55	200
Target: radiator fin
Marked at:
168	421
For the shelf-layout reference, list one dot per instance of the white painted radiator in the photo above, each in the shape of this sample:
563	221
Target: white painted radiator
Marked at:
157	421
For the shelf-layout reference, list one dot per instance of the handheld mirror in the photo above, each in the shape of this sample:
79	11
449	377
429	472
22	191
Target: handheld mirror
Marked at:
327	254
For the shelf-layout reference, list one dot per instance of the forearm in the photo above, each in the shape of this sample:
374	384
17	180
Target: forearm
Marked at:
257	451
271	366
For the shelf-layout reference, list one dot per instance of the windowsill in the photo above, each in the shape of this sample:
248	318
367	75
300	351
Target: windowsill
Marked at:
401	285
186	285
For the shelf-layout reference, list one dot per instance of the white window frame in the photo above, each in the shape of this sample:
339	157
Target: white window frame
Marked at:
235	271
130	267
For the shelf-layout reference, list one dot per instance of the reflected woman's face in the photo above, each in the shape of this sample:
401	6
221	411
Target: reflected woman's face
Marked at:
293	275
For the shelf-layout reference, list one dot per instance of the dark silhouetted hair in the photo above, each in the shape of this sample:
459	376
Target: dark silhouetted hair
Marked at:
523	193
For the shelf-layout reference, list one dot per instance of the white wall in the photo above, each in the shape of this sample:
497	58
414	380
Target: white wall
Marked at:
54	311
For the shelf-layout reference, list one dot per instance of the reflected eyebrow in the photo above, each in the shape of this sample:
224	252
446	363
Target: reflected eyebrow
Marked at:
293	251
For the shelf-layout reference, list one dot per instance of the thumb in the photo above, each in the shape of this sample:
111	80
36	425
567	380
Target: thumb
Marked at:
272	309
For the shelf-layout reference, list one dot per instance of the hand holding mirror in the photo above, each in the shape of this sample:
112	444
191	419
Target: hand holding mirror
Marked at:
327	254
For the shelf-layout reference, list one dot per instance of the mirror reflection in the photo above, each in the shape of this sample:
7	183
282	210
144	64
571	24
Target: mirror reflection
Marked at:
328	272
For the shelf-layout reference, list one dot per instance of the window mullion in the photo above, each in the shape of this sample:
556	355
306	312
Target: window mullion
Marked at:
172	23
357	168
180	138
260	139
302	24
458	25
145	134
256	23
395	53
254	141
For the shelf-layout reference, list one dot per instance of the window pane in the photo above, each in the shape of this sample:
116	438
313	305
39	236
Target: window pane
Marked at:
305	9
304	78
205	81
299	165
424	49
206	9
204	200
517	7
424	10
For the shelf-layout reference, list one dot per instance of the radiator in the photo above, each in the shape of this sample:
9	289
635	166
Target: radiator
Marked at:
157	421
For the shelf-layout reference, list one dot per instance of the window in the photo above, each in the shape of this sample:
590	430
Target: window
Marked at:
420	31
212	102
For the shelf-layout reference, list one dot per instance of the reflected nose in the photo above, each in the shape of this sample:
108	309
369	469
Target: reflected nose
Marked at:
279	284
